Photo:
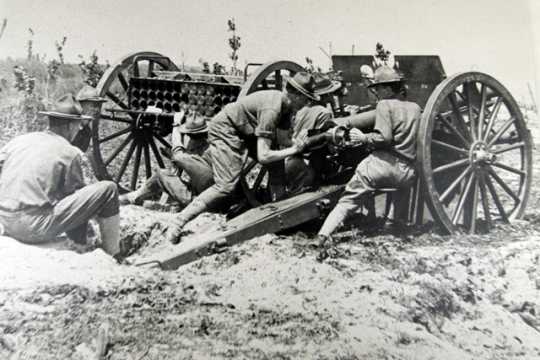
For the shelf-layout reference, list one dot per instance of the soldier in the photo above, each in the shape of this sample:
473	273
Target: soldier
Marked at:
393	145
191	158
91	104
42	191
254	117
304	170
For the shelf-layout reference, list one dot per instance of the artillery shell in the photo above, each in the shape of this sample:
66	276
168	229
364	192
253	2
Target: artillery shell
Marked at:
167	106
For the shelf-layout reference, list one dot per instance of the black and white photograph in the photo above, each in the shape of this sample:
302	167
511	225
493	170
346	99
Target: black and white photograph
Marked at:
269	179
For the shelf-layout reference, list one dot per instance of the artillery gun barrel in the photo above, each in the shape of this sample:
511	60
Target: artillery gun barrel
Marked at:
160	95
136	93
135	104
152	95
144	94
362	121
168	95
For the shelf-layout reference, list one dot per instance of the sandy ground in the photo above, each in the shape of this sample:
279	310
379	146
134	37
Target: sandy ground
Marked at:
413	295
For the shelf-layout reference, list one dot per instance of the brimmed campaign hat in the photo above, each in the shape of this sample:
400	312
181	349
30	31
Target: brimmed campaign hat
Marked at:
66	107
385	75
304	83
323	84
88	93
195	124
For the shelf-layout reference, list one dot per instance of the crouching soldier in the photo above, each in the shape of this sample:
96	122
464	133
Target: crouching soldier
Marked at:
253	118
42	191
393	144
193	170
91	104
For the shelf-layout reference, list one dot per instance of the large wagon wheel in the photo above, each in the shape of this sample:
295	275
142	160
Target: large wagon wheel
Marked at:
267	77
116	131
474	154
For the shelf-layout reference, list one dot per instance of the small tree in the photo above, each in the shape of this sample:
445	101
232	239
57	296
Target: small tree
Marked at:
91	69
60	49
29	44
234	43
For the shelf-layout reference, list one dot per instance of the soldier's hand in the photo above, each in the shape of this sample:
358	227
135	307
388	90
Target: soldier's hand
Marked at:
357	137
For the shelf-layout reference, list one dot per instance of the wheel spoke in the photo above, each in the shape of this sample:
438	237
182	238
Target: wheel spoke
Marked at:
468	95
501	150
163	141
136	165
474	213
450	147
147	163
485	200
492	117
259	179
462	199
150	68
503	185
508	168
454	184
118	150
455	130
459	117
125	162
496	199
451	165
156	153
115	135
116	100
135	69
482	110
117	119
501	131
123	81
278	79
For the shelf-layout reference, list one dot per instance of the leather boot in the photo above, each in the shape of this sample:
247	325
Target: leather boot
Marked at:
110	234
191	211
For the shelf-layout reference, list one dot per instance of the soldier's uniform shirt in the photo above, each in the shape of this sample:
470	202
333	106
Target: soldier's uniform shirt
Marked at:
391	164
230	133
304	170
42	191
39	169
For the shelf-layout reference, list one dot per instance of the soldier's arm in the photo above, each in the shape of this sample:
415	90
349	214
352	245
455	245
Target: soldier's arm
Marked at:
381	136
266	134
74	178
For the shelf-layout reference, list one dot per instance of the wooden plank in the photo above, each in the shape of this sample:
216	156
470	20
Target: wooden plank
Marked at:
265	219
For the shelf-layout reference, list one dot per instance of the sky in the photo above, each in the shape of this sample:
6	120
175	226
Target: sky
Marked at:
493	36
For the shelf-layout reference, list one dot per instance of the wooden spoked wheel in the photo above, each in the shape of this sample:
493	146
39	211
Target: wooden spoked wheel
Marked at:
474	154
269	76
121	141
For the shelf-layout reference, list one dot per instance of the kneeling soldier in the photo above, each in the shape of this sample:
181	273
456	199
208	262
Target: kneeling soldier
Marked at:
42	191
393	144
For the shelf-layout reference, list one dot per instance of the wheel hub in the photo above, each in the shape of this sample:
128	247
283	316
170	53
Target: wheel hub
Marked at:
481	154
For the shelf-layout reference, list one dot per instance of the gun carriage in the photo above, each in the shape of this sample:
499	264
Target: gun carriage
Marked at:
474	157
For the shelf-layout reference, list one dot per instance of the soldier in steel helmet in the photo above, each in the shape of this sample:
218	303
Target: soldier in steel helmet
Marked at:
393	149
192	173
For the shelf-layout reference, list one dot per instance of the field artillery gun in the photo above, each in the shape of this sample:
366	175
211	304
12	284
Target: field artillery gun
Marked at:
474	158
